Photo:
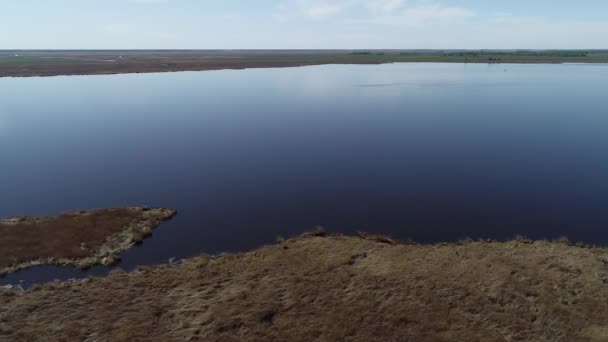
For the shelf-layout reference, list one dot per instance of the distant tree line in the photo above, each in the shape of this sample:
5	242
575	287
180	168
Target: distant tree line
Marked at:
367	53
551	53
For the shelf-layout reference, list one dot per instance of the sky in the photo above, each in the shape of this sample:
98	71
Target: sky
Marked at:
303	24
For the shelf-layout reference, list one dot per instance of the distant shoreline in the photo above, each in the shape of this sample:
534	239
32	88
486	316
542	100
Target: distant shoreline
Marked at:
30	63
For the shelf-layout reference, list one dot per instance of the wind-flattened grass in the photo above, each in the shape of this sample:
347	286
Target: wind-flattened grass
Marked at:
334	288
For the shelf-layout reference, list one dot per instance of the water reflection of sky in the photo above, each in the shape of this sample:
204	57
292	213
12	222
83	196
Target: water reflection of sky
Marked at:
3	126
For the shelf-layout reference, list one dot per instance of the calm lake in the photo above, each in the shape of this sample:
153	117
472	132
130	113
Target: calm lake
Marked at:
431	152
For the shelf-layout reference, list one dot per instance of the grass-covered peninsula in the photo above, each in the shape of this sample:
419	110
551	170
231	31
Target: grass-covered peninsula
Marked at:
81	239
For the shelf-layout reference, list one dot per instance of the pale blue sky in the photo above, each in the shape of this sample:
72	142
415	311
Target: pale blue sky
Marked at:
301	24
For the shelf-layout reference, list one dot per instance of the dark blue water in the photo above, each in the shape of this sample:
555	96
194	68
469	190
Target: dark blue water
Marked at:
432	152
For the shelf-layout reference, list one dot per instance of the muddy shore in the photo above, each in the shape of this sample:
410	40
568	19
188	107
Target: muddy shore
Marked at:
335	288
81	239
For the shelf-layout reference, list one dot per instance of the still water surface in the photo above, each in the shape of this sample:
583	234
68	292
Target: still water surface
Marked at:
432	152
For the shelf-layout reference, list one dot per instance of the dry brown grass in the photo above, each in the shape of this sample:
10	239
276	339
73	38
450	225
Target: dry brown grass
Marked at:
316	288
79	238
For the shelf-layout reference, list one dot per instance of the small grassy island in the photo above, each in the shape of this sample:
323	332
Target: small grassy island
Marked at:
80	239
333	288
22	63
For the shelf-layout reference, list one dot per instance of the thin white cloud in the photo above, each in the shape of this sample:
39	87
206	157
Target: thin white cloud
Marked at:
320	9
389	12
423	14
281	13
385	7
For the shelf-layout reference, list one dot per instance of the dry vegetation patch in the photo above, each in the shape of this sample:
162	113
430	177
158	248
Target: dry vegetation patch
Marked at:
80	238
316	288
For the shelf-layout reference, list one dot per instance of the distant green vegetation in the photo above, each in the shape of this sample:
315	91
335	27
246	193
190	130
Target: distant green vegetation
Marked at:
367	53
518	56
26	60
525	53
463	56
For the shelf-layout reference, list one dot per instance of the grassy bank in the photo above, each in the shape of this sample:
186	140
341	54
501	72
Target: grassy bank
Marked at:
80	239
316	288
